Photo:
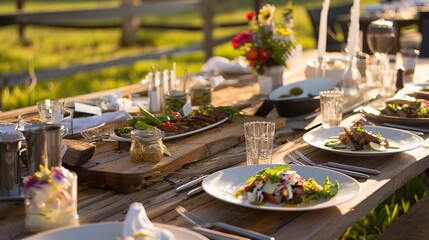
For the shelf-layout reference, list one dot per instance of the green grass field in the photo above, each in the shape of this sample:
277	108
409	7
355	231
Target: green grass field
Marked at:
56	47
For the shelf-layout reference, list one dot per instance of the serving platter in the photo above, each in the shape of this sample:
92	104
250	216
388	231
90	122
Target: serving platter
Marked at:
107	231
223	185
404	140
114	136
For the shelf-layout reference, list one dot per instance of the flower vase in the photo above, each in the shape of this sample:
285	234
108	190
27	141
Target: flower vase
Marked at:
271	79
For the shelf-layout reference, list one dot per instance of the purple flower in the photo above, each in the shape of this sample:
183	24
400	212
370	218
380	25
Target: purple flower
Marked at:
30	182
57	174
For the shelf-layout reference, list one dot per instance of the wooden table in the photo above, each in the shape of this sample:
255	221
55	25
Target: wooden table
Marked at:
160	198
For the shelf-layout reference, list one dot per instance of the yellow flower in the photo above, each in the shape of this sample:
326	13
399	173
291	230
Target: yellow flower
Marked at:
284	31
266	13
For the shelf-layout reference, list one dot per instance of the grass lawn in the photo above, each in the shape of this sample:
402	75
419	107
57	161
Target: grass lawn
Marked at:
56	47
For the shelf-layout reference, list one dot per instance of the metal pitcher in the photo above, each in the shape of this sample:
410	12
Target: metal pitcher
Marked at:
10	169
44	142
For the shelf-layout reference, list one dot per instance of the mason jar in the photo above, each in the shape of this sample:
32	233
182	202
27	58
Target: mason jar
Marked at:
175	100
146	145
201	95
50	199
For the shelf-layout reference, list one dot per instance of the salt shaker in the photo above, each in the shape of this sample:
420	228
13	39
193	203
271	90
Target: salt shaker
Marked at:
154	93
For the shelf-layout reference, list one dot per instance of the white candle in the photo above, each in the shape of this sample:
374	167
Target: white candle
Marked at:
321	44
353	38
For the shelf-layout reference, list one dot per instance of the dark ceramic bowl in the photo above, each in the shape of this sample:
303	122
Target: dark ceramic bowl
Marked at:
288	105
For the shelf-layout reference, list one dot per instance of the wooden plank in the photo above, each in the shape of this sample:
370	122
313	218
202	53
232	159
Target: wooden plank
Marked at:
8	80
100	13
118	172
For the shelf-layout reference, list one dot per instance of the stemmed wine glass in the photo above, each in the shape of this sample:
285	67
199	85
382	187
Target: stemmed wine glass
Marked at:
380	40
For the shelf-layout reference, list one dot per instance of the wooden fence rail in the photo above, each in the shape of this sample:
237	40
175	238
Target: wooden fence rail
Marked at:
76	18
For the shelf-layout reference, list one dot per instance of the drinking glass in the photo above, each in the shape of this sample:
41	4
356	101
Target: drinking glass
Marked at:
51	111
331	105
259	137
380	40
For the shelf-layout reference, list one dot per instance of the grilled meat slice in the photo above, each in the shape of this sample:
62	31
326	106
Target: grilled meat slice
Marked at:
350	141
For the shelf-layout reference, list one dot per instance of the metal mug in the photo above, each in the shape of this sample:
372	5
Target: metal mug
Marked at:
10	169
44	143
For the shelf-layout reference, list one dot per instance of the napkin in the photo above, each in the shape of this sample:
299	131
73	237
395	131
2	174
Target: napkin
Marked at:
80	124
137	224
238	65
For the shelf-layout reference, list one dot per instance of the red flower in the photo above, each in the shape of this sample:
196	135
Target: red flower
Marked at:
242	38
250	15
263	54
252	54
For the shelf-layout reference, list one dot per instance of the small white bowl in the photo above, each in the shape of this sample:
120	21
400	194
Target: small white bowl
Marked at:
335	68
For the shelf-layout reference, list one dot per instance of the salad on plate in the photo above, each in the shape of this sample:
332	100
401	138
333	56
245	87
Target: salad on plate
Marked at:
407	108
282	185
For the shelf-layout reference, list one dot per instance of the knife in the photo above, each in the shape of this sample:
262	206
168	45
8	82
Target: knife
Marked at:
195	191
190	184
216	235
420	131
352	168
347	172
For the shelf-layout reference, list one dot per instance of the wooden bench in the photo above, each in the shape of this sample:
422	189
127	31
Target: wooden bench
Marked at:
412	225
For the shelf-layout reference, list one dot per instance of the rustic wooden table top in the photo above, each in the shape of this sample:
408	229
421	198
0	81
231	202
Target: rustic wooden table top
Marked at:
101	204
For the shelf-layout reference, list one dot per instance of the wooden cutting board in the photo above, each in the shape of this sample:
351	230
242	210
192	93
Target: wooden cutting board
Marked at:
112	167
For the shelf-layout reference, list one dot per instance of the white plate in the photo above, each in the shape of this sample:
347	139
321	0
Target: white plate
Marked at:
405	140
106	231
311	87
123	139
374	114
223	185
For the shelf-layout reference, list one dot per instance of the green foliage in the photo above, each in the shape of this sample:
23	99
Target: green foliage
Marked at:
380	218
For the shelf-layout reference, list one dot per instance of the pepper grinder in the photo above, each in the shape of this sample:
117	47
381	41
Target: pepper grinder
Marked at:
400	78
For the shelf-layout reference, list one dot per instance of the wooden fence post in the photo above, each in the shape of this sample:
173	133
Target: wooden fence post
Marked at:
130	25
208	26
21	26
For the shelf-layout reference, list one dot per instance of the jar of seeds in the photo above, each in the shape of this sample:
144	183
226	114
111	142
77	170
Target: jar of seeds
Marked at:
146	145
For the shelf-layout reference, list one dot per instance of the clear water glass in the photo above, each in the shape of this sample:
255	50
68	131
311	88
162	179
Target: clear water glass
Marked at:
331	108
259	142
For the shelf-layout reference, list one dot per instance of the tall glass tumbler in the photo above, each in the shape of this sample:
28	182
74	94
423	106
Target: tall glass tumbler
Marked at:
331	108
380	40
259	142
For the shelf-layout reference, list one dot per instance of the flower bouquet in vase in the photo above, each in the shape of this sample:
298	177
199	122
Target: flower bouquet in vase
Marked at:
267	45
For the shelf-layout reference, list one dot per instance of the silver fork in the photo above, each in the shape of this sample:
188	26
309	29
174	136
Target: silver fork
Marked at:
338	165
242	231
347	172
293	159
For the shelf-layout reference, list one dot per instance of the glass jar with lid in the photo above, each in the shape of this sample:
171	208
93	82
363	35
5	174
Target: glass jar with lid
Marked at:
146	145
201	95
175	100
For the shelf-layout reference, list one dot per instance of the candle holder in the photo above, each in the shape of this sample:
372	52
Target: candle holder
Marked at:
322	63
